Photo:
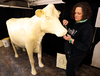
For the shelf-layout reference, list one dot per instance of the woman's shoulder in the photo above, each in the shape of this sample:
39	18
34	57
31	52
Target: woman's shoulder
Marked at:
87	27
88	24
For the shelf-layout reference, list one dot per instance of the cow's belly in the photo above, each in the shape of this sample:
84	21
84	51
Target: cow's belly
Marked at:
18	42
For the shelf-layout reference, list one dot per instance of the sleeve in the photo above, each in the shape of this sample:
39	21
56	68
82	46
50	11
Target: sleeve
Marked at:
85	39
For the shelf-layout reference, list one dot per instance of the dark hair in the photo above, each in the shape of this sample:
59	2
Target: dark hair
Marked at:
86	9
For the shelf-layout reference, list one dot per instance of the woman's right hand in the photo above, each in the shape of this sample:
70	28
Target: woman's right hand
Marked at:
65	22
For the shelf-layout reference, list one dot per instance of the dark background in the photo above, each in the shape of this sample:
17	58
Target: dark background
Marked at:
51	44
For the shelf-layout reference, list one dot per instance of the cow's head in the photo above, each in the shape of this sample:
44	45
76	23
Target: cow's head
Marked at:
50	20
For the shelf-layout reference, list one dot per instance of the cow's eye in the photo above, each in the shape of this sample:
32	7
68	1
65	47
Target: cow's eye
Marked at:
48	18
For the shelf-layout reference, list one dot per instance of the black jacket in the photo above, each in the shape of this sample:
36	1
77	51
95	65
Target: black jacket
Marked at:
83	35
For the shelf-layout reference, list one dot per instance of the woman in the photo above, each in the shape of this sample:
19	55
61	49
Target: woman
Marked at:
79	37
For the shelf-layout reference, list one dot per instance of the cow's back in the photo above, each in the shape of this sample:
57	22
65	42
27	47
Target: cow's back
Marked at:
14	21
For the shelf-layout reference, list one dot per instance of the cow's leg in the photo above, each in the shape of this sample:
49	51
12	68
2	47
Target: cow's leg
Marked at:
40	56
30	54
16	54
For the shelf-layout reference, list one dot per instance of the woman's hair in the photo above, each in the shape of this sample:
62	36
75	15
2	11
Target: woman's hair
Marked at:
86	9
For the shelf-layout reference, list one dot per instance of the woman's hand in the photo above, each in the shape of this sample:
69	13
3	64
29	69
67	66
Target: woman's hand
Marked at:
65	22
68	37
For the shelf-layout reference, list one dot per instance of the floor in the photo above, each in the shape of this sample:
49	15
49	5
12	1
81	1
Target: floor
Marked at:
11	66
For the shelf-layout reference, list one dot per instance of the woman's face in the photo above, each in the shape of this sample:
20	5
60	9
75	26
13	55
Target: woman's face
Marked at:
78	14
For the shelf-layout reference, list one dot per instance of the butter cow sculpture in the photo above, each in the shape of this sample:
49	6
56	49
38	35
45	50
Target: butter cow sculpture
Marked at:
28	32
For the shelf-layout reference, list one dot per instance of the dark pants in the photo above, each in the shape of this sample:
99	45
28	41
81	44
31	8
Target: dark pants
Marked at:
72	64
74	58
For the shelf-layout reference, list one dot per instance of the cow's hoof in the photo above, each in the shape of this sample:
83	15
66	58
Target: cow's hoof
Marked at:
41	65
34	73
16	56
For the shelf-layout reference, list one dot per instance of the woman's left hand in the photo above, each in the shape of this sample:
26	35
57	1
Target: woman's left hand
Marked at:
68	37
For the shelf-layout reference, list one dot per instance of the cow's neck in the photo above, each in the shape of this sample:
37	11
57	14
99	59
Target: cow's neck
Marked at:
35	29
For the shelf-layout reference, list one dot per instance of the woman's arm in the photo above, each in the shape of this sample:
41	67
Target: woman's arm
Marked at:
85	40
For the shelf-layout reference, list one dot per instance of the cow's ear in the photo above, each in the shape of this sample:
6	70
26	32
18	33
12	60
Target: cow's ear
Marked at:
39	12
59	12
